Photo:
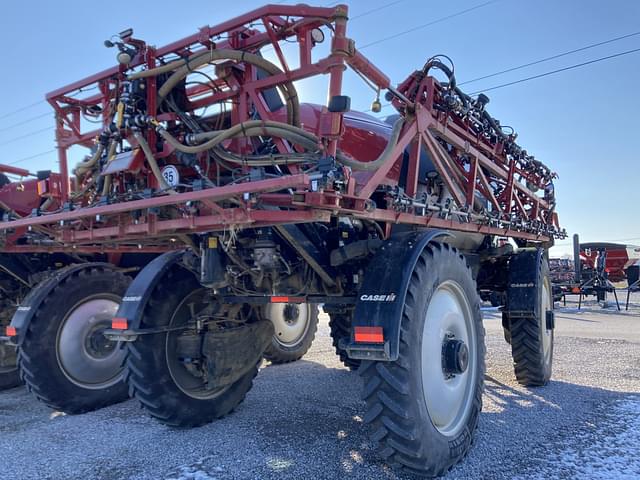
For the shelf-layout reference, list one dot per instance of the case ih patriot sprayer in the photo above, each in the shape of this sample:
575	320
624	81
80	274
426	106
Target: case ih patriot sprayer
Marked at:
265	204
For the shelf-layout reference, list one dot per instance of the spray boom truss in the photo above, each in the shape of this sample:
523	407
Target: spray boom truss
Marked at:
205	134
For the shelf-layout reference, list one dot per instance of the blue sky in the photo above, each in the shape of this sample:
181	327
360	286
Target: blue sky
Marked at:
582	123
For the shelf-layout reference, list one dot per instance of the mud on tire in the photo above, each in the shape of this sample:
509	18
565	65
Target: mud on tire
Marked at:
41	359
409	428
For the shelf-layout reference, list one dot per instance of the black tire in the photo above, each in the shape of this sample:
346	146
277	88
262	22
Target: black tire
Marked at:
278	352
397	410
506	328
340	326
147	369
39	358
532	360
9	374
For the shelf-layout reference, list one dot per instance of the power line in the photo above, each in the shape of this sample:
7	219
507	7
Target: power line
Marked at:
28	120
552	72
5	115
428	24
533	77
26	135
32	156
374	10
553	57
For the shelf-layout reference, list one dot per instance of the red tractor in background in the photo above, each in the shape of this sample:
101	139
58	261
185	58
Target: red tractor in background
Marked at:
264	205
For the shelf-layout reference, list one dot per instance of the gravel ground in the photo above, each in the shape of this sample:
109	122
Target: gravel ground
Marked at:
304	420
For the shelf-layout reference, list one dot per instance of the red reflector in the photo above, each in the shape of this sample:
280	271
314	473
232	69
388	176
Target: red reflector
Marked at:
287	299
11	331
368	335
119	323
279	299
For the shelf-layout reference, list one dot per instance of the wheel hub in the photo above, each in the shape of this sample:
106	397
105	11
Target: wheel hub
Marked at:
97	345
86	357
291	322
291	313
455	357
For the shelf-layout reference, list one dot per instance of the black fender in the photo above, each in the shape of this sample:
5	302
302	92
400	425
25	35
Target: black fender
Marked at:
139	291
524	283
384	289
26	310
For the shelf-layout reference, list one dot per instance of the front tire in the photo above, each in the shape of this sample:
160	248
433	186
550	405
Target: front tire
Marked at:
424	407
164	386
65	360
295	328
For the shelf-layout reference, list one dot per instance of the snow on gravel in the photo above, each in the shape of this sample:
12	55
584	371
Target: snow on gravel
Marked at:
610	449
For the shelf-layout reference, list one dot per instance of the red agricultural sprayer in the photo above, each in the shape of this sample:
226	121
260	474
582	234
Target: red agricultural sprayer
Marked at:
265	205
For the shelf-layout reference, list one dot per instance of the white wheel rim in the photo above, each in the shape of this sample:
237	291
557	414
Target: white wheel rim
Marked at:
547	335
86	358
448	398
290	322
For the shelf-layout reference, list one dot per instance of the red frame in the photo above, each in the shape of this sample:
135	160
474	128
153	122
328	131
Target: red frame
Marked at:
467	170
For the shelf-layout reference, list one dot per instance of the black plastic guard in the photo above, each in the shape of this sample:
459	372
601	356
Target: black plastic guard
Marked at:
383	292
139	291
524	283
28	307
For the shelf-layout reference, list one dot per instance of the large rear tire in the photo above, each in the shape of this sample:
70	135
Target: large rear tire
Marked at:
532	336
424	407
65	360
164	386
295	328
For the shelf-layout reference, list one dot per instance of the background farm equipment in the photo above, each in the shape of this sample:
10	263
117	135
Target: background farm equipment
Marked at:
264	205
594	269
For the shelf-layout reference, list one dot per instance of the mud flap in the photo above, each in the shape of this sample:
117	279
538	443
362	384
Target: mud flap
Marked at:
139	292
382	296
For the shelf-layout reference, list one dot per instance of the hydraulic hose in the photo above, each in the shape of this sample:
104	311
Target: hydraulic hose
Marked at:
278	129
251	128
85	166
184	67
152	162
107	179
384	156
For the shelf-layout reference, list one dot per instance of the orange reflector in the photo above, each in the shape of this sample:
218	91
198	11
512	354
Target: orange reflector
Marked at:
42	187
11	331
575	289
368	335
119	323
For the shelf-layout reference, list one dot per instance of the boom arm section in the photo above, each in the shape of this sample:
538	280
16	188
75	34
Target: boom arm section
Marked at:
208	134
